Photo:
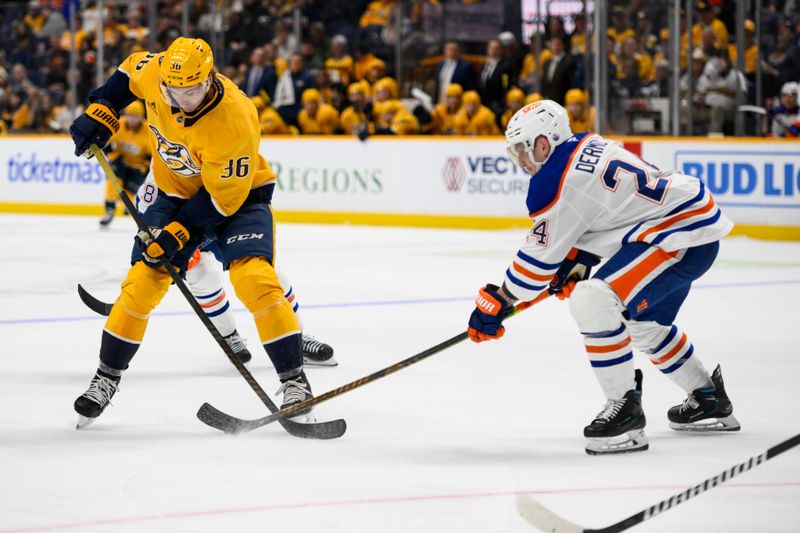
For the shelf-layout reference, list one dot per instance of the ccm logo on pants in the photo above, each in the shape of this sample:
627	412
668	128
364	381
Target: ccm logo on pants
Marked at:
244	237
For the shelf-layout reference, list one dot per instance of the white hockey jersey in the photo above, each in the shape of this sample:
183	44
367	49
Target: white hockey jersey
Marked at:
594	195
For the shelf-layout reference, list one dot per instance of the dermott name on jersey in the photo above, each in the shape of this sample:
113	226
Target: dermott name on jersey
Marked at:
175	156
590	155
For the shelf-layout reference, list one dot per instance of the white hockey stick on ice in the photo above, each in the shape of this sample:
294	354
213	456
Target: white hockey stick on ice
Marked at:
546	520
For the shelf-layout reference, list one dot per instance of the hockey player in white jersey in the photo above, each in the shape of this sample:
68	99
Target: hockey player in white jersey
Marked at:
590	198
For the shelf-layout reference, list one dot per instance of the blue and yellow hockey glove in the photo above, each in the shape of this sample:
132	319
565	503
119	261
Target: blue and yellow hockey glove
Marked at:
95	126
166	242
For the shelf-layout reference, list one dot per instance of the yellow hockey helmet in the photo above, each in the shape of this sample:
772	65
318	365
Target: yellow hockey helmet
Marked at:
575	97
311	95
515	95
472	97
136	108
533	97
454	89
187	61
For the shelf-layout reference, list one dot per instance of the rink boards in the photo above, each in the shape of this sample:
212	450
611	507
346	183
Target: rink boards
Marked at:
424	181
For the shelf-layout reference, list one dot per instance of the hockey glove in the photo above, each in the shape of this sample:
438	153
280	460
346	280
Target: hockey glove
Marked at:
576	267
95	126
490	310
166	242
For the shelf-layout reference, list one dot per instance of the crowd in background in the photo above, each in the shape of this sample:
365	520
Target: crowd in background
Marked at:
337	77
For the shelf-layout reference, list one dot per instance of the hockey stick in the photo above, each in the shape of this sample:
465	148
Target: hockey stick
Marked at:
215	418
323	430
544	519
99	307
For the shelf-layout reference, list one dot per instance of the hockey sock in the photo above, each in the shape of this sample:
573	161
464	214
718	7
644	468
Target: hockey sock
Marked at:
204	279
672	353
285	356
289	294
611	356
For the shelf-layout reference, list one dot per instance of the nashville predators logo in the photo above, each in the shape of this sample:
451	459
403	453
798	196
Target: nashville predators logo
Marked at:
175	156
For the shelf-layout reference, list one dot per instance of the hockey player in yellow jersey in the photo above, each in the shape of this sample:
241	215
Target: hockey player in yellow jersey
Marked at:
212	183
580	113
474	118
444	114
515	99
270	120
317	117
130	156
356	117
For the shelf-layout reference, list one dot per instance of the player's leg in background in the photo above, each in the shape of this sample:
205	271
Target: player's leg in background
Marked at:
619	427
110	205
141	291
653	292
204	279
315	352
246	245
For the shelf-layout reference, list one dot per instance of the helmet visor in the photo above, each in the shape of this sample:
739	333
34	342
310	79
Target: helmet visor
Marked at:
187	98
522	158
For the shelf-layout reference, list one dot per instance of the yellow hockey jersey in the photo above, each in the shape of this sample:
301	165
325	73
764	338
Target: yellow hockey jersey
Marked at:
324	122
215	147
132	146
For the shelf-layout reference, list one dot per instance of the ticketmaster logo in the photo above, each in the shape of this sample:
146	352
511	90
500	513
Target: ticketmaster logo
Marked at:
28	169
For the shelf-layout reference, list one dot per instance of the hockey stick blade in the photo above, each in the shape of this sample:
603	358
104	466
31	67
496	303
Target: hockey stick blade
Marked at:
544	519
101	308
226	423
215	418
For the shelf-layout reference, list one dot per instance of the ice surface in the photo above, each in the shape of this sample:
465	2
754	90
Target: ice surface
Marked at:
440	446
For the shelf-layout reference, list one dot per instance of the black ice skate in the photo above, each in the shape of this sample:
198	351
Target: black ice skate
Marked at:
108	217
97	397
296	390
238	345
705	409
316	353
619	427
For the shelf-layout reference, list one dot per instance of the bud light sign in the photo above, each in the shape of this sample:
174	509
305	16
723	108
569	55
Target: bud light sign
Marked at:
746	178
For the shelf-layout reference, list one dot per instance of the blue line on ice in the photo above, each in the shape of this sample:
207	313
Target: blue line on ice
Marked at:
376	303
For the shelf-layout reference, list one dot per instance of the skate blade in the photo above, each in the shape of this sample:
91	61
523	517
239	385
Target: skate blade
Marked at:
632	441
728	423
84	421
320	364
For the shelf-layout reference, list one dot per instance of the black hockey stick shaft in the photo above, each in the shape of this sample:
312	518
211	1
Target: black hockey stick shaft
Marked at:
292	427
710	483
212	416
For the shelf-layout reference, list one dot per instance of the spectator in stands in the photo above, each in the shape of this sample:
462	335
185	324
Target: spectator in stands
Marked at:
385	89
786	114
376	71
716	91
515	99
362	61
54	25
533	97
529	75
750	55
511	51
444	114
496	78
259	76
340	64
289	89
453	70
708	19
317	117
659	87
708	43
577	39
781	64
557	72
630	85
285	43
319	43
554	27
580	113
630	50
620	25
357	117
474	118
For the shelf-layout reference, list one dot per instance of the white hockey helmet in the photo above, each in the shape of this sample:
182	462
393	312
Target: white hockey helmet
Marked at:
544	117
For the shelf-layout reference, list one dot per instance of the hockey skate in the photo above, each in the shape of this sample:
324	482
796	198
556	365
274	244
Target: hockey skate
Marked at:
97	397
705	409
294	391
619	427
108	217
239	347
316	353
